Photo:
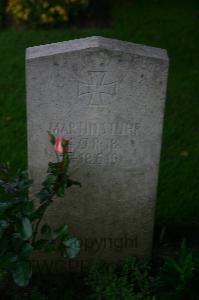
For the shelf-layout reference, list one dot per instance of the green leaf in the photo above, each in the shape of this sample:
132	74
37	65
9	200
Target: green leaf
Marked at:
61	191
3	224
50	179
51	137
26	229
183	252
22	273
27	250
173	264
73	247
44	195
62	231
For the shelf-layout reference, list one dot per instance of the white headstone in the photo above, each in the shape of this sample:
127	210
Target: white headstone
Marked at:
107	97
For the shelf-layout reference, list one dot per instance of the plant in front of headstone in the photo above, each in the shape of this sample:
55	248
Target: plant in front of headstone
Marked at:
132	280
176	277
21	232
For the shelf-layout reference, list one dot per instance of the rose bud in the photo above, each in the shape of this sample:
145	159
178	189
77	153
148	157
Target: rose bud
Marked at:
58	146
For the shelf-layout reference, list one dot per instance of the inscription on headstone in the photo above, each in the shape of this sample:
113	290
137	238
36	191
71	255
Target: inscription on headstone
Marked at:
108	98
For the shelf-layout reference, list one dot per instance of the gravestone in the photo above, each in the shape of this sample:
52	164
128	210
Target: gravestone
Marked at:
107	97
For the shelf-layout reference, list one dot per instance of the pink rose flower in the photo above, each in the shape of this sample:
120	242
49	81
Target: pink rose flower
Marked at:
58	146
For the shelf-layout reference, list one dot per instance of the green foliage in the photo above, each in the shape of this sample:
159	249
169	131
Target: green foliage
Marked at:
20	220
176	275
131	281
22	272
72	247
177	279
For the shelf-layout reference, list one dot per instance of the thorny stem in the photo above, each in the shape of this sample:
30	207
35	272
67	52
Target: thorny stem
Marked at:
45	205
51	195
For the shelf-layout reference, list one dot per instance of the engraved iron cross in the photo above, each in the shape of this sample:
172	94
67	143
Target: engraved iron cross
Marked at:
97	88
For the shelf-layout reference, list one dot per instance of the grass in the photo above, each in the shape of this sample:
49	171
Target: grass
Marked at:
167	24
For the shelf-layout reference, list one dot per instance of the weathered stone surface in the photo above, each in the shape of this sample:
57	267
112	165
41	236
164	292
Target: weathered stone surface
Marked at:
108	97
